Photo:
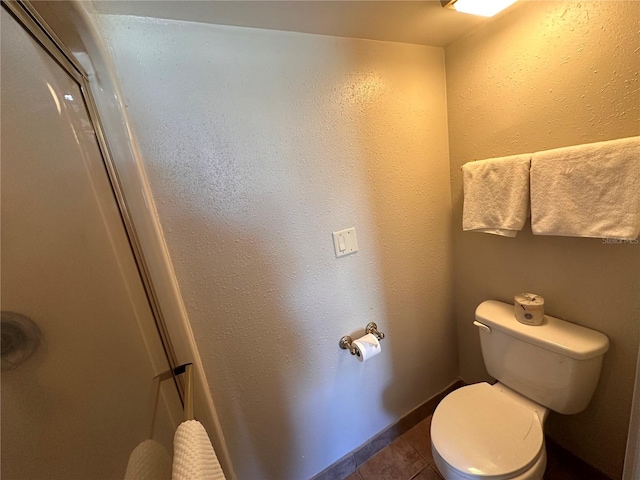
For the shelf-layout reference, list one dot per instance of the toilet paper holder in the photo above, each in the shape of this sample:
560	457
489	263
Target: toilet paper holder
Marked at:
346	342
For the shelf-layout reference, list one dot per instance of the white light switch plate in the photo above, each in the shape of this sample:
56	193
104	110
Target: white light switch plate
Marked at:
345	242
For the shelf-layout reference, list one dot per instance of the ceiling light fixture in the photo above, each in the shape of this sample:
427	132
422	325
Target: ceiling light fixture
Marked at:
484	8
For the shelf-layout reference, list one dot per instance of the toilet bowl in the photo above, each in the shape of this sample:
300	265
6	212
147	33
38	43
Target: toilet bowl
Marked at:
495	432
488	432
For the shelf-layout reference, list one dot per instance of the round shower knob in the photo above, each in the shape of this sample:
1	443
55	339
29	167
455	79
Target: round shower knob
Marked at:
19	336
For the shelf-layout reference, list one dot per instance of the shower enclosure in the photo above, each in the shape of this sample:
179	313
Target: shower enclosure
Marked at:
81	340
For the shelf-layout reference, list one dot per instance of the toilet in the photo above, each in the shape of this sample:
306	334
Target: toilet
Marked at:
496	432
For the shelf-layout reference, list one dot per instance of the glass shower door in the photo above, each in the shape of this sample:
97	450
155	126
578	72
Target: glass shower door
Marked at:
77	389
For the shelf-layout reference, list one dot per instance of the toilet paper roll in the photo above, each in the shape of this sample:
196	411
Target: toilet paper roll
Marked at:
529	308
366	347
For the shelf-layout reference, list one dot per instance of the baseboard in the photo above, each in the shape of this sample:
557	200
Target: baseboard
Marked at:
353	460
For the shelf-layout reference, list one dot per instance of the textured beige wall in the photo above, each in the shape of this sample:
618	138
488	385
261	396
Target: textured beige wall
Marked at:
258	144
540	76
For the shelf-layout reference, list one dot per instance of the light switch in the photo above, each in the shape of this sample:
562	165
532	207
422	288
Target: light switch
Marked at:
345	242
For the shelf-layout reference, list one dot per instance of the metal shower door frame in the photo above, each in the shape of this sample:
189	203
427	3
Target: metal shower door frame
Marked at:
31	20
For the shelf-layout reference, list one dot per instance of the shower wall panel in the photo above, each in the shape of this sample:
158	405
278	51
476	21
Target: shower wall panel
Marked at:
79	405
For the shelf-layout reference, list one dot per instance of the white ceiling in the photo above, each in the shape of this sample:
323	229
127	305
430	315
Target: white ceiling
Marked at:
420	22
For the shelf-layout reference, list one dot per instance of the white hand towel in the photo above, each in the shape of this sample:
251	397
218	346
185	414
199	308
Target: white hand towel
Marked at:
496	195
149	461
193	455
590	190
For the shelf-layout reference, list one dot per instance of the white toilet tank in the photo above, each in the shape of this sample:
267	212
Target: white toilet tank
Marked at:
556	364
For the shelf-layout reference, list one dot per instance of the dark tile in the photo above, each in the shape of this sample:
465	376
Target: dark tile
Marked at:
554	454
564	465
339	470
423	411
357	458
573	472
353	476
427	473
435	467
420	438
427	408
377	443
398	461
405	424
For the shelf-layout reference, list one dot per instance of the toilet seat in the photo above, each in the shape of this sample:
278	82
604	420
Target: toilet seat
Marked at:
481	432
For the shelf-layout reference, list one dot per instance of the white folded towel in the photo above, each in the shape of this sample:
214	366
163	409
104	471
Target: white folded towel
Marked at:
590	190
149	461
496	195
193	455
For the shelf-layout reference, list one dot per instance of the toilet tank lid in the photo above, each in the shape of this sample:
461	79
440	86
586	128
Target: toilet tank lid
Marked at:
554	334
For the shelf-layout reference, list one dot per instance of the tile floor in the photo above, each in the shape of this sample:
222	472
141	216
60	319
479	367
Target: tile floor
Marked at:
409	457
